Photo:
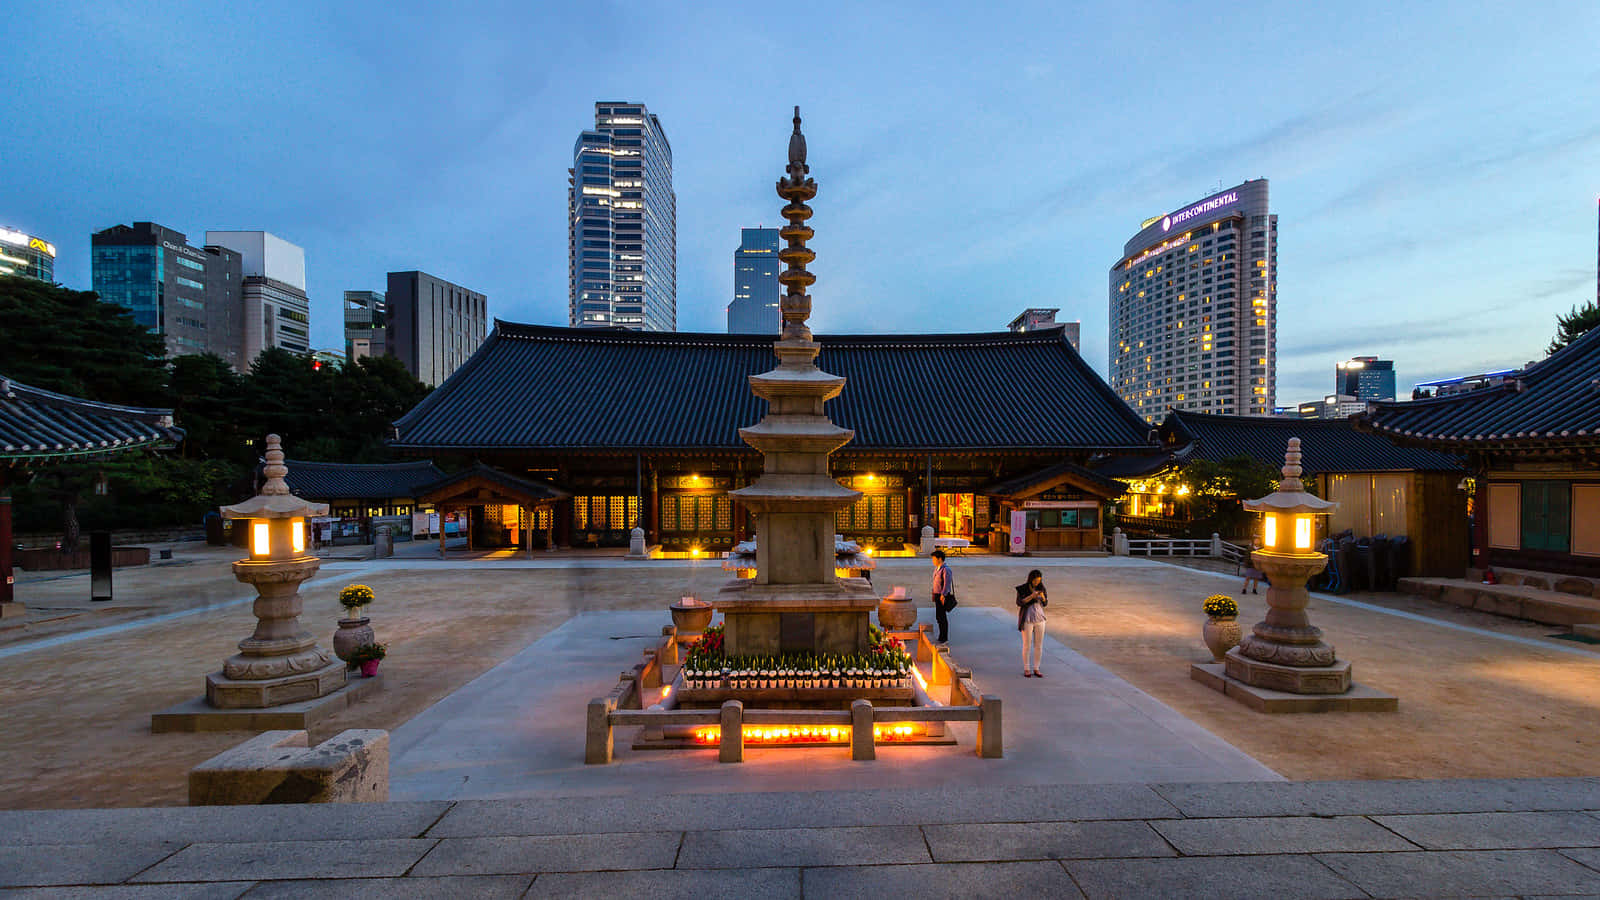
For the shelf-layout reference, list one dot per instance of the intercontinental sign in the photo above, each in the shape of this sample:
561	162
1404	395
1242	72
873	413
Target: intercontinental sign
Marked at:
1210	204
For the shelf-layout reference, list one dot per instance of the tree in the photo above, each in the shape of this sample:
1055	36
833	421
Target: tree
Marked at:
1575	324
70	342
1217	488
205	395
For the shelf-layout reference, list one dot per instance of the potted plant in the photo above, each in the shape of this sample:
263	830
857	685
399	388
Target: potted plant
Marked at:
366	658
355	630
1221	631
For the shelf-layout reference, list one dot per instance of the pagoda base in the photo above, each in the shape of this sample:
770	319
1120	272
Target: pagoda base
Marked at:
232	693
773	619
1330	679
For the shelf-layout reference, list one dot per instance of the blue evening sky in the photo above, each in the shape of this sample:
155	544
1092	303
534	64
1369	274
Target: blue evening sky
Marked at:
1434	167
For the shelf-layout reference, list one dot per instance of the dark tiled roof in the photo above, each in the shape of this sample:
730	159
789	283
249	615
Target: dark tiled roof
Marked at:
1554	401
526	487
531	386
1022	483
1134	466
1326	445
350	481
39	424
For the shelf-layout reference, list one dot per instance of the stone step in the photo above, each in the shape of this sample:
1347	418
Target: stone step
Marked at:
1517	601
1579	585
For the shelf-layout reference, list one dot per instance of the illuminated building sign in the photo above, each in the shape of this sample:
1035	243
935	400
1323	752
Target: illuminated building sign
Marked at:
1210	204
186	251
18	239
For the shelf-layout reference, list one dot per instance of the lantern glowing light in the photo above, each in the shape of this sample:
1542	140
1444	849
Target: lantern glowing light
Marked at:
297	536
1269	535
260	539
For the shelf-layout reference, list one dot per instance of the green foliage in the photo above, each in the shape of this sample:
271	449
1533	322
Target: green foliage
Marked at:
366	653
69	342
1575	324
1216	489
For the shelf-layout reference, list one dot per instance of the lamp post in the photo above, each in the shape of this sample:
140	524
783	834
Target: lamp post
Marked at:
1285	652
280	662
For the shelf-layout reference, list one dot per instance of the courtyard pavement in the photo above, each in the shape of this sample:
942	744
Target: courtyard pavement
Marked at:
517	730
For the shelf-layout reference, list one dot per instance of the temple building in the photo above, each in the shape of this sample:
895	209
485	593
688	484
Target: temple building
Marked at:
954	431
1532	445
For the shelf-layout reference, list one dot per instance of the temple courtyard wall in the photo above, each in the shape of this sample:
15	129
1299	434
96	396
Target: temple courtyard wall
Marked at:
1481	696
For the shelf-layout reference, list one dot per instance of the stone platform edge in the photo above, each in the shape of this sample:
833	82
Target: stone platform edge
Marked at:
197	715
1360	698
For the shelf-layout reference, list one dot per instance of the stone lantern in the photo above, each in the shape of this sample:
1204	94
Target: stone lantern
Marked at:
280	662
1285	652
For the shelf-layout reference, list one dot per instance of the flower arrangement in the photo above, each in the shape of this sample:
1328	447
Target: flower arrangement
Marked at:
353	598
366	653
1221	605
888	665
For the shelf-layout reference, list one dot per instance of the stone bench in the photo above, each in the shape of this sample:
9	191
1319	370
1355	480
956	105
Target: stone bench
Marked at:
1518	601
281	767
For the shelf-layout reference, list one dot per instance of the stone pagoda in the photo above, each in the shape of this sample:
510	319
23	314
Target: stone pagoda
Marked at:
796	603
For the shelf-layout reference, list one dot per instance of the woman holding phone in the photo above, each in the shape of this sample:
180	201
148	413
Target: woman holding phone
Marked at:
1031	601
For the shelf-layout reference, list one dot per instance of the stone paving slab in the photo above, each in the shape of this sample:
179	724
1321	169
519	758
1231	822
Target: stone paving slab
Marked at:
107	863
754	848
216	890
1002	881
486	887
1497	831
1283	834
1234	877
551	853
1589	856
1043	840
1355	798
1478	873
701	884
289	859
810	809
220	824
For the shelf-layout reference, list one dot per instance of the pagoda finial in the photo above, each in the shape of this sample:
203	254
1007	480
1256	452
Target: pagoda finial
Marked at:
796	188
275	470
1291	467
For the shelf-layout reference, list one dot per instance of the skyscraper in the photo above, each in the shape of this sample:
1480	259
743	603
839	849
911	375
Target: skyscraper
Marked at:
622	223
1037	318
26	255
1194	308
277	312
1366	378
433	325
365	324
188	295
754	309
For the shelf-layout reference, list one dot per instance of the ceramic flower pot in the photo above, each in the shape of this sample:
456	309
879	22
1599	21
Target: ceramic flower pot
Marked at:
1221	634
369	667
352	633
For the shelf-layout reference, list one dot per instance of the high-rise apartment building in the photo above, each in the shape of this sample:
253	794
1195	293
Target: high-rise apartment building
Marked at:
622	219
433	325
365	325
191	296
754	309
1194	308
1366	378
26	255
277	312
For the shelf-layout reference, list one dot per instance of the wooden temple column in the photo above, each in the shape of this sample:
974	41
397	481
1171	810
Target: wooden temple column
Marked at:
442	512
550	529
654	528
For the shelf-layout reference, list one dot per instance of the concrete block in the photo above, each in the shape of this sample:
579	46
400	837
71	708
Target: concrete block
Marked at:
289	859
551	853
1004	879
280	767
1043	840
862	745
1496	831
598	737
1487	873
740	848
991	742
731	746
1374	798
487	887
1360	697
1234	877
702	884
1286	834
108	863
197	715
180	825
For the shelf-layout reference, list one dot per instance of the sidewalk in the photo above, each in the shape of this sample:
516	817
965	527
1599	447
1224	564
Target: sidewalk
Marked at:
1265	839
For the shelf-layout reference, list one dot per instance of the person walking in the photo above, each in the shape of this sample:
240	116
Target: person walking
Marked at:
944	594
1031	601
1252	574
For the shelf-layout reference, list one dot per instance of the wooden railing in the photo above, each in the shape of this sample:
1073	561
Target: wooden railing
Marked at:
1214	547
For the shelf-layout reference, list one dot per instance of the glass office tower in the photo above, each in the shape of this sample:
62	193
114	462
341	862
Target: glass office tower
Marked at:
622	221
1366	378
754	309
192	297
1194	308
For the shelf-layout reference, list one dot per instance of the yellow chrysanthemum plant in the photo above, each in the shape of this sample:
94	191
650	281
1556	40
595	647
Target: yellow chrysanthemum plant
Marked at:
1221	605
354	597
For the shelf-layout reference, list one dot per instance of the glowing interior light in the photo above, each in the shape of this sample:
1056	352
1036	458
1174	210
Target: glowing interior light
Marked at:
1302	532
297	536
1270	536
260	542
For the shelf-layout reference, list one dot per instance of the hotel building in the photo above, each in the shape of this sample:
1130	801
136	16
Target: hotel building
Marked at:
622	223
1194	307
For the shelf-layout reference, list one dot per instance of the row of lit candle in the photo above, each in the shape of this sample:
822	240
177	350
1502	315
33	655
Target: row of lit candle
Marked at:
806	734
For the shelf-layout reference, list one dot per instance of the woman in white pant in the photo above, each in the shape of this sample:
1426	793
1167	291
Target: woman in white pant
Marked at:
1031	601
